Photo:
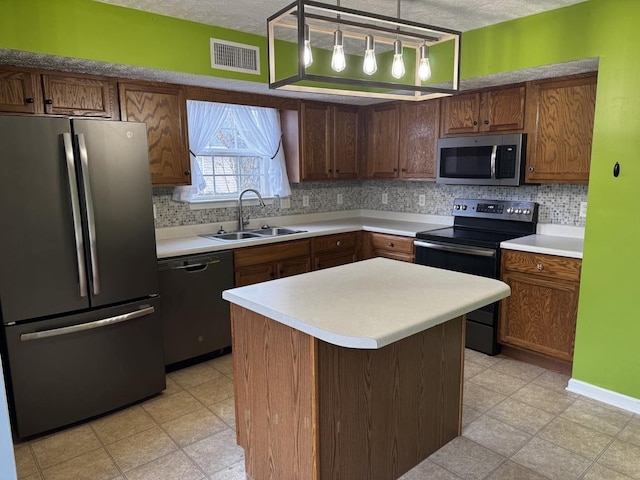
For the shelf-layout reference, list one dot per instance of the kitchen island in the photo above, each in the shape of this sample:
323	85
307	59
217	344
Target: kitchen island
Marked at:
351	372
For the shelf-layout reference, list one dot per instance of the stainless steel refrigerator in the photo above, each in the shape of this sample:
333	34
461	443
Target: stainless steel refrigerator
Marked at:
82	334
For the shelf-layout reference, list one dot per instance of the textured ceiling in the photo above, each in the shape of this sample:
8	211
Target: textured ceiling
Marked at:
248	16
251	16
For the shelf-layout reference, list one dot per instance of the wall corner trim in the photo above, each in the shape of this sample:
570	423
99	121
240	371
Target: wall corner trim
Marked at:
603	395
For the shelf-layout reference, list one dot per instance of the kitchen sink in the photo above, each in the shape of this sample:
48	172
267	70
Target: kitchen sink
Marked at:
232	236
252	234
271	231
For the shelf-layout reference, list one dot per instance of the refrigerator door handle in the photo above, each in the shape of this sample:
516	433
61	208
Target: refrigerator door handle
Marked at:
75	209
55	332
91	219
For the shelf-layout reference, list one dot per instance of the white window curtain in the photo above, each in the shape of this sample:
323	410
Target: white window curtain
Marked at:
204	119
260	129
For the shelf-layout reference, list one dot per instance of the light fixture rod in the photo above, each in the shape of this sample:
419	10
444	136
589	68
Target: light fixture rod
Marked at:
367	26
382	18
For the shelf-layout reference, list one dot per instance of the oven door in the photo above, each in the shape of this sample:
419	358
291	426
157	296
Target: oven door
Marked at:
484	262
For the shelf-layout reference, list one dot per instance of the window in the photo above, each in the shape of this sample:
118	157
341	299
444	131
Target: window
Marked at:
233	147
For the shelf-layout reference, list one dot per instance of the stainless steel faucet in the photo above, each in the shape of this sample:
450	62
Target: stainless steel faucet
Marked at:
242	221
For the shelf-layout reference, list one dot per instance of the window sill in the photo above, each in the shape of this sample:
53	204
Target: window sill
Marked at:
202	205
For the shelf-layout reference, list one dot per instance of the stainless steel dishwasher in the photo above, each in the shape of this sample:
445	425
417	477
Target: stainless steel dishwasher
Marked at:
195	317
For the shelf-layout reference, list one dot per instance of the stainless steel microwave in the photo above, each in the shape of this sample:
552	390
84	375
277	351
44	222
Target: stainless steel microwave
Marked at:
482	160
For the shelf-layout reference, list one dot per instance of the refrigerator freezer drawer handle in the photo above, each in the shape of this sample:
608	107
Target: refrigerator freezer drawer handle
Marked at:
75	210
55	332
91	219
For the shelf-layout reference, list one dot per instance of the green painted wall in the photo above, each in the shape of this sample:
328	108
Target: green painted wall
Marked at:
608	329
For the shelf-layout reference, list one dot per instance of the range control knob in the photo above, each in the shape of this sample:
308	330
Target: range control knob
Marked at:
456	207
509	210
527	211
463	207
518	211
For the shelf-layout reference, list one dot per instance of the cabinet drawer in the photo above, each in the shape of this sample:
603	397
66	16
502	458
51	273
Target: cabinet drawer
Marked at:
274	252
393	243
340	241
539	264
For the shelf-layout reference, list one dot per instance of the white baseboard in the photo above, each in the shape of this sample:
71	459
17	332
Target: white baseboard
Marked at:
603	395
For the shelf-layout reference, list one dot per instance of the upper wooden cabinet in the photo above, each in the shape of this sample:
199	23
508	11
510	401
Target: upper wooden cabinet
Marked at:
164	109
559	122
495	110
383	130
403	140
321	141
418	136
57	94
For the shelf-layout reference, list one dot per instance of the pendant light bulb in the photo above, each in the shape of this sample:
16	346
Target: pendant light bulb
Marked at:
338	62
424	68
369	66
308	55
397	68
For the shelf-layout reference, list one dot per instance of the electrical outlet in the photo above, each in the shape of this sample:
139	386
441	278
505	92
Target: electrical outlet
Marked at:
385	198
340	199
285	202
422	200
583	209
305	200
155	214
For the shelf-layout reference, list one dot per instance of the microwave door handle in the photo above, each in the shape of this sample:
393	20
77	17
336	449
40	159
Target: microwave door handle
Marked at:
494	152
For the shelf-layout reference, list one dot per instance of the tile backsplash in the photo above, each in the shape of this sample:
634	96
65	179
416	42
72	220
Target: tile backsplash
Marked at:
559	203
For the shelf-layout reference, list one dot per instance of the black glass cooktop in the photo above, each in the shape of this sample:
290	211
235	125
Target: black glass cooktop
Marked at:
466	236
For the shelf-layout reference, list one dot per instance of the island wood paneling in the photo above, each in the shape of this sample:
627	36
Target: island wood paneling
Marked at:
307	409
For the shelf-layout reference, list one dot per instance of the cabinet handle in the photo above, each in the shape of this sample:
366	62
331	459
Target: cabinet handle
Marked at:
395	169
331	170
486	122
337	171
539	266
531	169
48	101
475	123
29	100
390	244
187	172
338	243
272	274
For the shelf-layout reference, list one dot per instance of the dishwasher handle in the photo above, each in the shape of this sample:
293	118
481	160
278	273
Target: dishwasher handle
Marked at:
194	264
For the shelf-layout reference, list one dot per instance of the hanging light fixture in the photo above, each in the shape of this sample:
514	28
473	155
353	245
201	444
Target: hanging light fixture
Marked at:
338	62
308	54
397	66
339	31
424	67
369	65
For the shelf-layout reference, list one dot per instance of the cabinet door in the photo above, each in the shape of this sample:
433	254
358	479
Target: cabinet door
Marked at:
419	131
502	109
254	274
164	110
384	122
315	140
20	92
560	124
460	114
333	259
79	96
540	315
293	266
345	142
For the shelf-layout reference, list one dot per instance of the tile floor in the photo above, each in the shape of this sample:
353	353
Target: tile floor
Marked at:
519	424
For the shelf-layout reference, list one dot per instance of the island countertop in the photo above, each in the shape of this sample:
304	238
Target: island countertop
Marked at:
368	304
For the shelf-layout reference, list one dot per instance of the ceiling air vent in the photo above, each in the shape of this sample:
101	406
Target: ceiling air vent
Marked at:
236	57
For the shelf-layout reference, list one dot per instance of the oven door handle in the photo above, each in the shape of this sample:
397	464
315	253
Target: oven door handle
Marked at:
479	252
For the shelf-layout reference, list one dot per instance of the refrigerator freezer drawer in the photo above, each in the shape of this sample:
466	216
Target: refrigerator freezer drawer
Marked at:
72	368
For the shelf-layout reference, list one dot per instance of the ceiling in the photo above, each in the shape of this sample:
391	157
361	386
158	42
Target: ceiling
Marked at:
246	16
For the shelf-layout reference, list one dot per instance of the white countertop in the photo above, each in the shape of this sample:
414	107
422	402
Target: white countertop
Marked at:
178	241
547	244
368	304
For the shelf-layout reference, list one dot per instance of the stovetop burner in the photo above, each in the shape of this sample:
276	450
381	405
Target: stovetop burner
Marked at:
486	223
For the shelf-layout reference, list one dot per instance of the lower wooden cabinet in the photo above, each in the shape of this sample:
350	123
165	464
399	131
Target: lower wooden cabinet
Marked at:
540	315
267	262
334	250
395	247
